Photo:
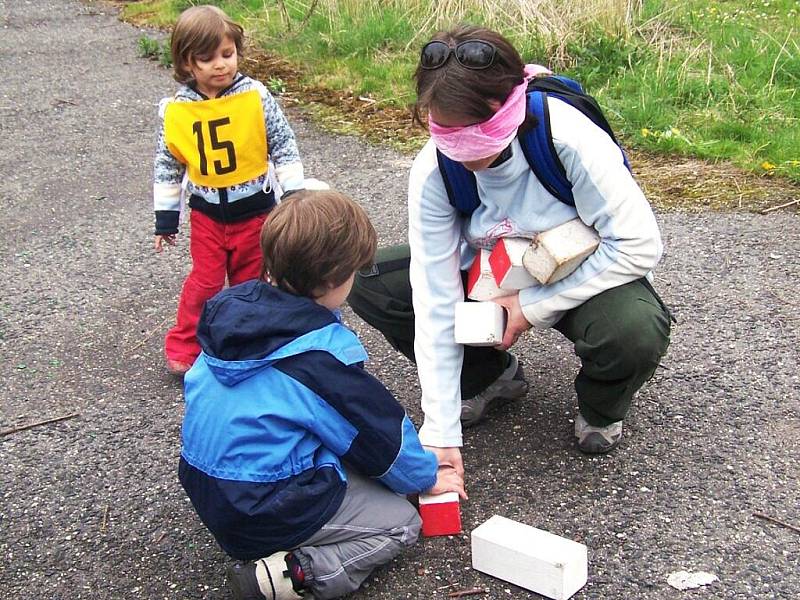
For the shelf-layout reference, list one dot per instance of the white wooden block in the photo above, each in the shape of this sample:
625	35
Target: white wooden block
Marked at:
557	252
481	285
479	323
506	263
531	558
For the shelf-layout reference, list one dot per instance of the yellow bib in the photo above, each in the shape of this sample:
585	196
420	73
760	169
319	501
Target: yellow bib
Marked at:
221	141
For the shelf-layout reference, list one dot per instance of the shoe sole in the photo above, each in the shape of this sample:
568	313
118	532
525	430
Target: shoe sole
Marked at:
601	447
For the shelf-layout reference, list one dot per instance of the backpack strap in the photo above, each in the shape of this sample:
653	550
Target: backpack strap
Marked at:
460	184
537	146
570	91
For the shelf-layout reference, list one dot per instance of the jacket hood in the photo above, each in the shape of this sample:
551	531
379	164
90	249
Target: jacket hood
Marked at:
248	327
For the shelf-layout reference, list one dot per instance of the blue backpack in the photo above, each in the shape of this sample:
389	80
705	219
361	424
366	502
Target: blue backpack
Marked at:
537	145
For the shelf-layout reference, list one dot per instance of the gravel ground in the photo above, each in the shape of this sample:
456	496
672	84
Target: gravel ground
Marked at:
91	508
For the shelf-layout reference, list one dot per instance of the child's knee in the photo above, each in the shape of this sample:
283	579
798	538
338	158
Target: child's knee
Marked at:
411	526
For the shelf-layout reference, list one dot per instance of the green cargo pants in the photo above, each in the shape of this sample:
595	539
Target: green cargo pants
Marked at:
619	335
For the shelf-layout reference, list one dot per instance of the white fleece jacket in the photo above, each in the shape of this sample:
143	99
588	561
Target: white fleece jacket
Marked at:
514	203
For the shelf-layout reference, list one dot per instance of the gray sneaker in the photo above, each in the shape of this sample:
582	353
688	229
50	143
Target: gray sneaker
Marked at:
511	385
597	440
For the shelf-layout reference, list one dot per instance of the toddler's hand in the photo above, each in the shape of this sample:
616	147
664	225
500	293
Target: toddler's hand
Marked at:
169	238
448	480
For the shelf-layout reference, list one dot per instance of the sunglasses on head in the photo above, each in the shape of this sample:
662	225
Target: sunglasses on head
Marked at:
472	54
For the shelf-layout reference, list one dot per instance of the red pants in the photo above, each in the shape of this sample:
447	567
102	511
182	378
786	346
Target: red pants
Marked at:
217	250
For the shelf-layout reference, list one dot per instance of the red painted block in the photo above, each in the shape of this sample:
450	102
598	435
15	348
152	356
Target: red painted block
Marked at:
506	264
481	284
441	514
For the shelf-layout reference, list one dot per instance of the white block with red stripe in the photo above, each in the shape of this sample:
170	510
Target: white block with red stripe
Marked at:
481	285
440	513
506	264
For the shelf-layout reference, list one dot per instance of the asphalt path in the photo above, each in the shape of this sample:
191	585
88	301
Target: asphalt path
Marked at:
90	507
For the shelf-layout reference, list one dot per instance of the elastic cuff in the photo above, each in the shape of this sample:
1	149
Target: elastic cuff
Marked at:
305	564
167	221
440	441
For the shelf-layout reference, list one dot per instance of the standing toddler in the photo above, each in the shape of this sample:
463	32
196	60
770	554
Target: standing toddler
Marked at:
219	131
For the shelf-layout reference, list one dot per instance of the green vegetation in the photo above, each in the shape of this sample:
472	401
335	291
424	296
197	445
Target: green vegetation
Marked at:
155	50
716	79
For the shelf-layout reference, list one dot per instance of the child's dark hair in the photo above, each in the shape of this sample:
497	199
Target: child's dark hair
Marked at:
315	239
200	30
457	90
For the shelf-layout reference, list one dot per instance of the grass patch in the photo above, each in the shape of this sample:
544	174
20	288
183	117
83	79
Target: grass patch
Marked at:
716	80
155	50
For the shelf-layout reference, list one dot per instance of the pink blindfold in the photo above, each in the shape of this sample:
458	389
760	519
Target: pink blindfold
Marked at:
481	140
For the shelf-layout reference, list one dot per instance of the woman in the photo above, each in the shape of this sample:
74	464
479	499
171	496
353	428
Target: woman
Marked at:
472	83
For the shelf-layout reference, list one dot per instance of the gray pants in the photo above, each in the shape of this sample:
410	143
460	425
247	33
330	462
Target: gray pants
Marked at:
371	527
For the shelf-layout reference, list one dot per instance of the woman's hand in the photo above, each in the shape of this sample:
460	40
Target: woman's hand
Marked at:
447	480
168	238
449	457
517	324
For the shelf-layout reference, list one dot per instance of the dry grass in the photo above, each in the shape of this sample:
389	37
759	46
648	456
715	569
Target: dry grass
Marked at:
693	185
556	22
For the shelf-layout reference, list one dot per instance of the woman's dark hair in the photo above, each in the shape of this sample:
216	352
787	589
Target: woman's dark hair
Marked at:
459	91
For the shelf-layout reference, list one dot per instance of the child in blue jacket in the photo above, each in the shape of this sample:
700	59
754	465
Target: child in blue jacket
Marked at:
295	457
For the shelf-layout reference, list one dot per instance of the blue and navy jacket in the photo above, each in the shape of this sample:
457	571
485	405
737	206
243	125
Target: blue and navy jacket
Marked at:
275	403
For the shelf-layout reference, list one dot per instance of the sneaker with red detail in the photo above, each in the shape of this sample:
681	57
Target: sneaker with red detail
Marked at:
177	368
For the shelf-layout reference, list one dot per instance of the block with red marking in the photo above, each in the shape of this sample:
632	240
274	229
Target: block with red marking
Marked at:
505	262
440	513
481	285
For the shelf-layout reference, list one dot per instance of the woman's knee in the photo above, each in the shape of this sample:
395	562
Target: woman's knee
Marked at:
630	343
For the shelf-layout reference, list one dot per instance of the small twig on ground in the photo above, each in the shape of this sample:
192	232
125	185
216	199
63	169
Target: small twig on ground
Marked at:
63	101
777	521
147	336
444	587
779	298
771	208
462	593
160	537
104	524
37	424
